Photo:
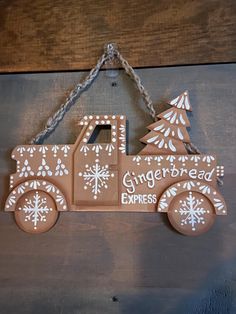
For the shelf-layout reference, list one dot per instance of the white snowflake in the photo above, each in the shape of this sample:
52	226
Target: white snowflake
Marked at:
96	177
36	209
192	211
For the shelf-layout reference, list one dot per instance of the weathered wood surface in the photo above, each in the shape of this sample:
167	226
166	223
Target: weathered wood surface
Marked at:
88	258
44	35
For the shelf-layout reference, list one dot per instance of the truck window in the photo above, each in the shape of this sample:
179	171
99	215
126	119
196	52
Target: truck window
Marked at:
101	134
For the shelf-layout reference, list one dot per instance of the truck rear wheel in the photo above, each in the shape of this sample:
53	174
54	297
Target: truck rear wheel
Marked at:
36	212
191	213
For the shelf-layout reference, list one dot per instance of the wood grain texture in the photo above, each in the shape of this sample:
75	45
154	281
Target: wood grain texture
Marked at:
44	35
87	259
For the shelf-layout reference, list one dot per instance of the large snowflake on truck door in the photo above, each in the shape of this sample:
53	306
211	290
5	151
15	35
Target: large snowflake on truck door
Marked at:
96	177
192	211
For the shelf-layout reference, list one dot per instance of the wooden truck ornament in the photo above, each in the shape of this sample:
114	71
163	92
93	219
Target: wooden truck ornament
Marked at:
88	176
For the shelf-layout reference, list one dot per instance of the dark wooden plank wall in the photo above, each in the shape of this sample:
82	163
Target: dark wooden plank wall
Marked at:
110	263
44	35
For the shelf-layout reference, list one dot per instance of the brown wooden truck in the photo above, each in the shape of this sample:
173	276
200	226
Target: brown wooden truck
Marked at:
91	176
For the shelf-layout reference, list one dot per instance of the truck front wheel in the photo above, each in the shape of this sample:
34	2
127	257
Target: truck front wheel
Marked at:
36	212
191	213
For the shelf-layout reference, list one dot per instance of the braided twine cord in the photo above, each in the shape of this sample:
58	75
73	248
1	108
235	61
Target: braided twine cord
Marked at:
111	52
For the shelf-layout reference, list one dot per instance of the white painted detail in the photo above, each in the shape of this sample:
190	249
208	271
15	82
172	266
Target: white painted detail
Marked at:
21	189
96	177
84	149
205	189
61	169
161	143
55	149
26	170
12	200
122	148
162	204
148	159
34	184
21	150
158	158
183	158
192	211
188	185
50	188
208	159
218	204
31	150
171	192
171	146
44	170
60	199
159	127
181	119
173	118
181	102
180	135
171	158
43	150
97	148
137	159
122	128
109	148
168	114
36	209
195	158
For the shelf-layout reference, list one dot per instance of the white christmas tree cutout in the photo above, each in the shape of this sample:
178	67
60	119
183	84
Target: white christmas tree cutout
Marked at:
168	134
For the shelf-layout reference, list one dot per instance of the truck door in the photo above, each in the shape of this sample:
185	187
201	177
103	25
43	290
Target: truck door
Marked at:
96	164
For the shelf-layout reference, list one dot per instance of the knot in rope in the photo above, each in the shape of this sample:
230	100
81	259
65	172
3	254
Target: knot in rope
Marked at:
111	50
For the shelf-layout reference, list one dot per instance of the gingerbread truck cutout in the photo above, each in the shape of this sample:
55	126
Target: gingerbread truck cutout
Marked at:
90	176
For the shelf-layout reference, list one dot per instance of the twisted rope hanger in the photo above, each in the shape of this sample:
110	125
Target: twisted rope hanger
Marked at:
110	53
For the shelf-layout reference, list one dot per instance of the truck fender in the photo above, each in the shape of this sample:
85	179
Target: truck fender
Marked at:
31	185
192	185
